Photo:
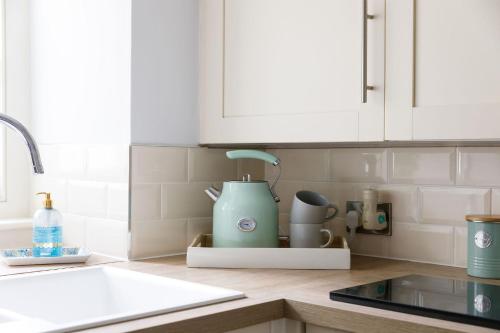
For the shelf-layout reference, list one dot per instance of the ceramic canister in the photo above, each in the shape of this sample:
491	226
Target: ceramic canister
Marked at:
483	246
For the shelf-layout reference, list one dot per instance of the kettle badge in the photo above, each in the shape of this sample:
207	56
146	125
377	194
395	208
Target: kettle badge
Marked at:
247	224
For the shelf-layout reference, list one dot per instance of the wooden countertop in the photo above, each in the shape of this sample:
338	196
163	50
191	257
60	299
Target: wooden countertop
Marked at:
296	294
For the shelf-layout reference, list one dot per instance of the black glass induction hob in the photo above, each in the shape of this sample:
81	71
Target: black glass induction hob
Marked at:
466	302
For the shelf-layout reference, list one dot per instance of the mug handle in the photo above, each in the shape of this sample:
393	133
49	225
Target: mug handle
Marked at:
330	238
329	217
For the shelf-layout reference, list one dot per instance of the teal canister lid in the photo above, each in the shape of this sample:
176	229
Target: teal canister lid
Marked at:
483	218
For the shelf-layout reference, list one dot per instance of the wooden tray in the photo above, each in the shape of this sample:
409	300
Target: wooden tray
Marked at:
201	254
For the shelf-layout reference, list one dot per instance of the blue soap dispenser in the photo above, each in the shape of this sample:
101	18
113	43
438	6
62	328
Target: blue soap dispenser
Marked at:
47	230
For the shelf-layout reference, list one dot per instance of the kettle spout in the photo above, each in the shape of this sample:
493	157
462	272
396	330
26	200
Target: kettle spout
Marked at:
213	193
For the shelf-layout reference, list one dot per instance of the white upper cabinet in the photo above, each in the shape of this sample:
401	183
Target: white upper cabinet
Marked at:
288	71
291	71
443	70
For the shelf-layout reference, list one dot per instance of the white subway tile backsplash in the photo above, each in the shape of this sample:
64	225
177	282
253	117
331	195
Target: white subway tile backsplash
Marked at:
495	201
428	243
50	159
158	238
74	230
146	202
89	185
108	163
186	200
370	245
117	202
324	188
87	198
301	164
255	168
359	165
107	237
168	210
72	161
448	205
479	166
284	224
343	192
197	226
422	166
159	164
337	226
404	199
211	165
16	238
286	191
57	187
169	206
460	253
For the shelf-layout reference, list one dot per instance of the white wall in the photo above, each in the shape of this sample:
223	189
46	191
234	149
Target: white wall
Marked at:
18	166
114	71
164	72
80	102
80	71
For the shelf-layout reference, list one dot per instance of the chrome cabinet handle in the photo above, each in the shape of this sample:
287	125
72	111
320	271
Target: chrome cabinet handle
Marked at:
364	85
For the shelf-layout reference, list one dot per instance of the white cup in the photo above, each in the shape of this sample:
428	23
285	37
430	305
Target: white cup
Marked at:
311	208
309	235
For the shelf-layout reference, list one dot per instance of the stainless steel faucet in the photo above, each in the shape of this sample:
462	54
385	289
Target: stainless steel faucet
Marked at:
30	142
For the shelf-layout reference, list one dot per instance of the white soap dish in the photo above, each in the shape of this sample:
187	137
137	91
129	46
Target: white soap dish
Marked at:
24	256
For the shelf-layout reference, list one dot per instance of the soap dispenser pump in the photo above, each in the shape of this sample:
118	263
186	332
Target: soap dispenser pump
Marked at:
47	230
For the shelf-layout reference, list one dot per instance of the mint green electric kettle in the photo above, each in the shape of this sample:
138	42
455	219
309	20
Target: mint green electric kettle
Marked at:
246	211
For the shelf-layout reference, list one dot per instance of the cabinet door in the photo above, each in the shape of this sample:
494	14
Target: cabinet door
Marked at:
318	329
259	328
290	71
283	325
443	70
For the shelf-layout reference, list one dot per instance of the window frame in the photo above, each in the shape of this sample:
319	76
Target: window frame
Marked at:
18	183
3	139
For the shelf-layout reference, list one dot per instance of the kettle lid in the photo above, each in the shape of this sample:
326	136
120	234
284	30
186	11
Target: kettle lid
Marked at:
247	178
260	155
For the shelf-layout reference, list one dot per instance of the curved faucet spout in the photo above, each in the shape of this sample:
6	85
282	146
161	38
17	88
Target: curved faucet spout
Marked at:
30	142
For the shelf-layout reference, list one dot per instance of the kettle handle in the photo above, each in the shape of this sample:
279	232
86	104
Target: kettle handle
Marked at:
259	155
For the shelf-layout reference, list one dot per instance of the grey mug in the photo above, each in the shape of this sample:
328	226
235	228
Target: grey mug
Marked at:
311	207
309	236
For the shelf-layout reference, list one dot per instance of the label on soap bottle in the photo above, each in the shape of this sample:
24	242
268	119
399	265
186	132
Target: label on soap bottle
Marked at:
47	241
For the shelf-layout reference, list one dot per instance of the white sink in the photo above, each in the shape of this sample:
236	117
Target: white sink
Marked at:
8	316
69	299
